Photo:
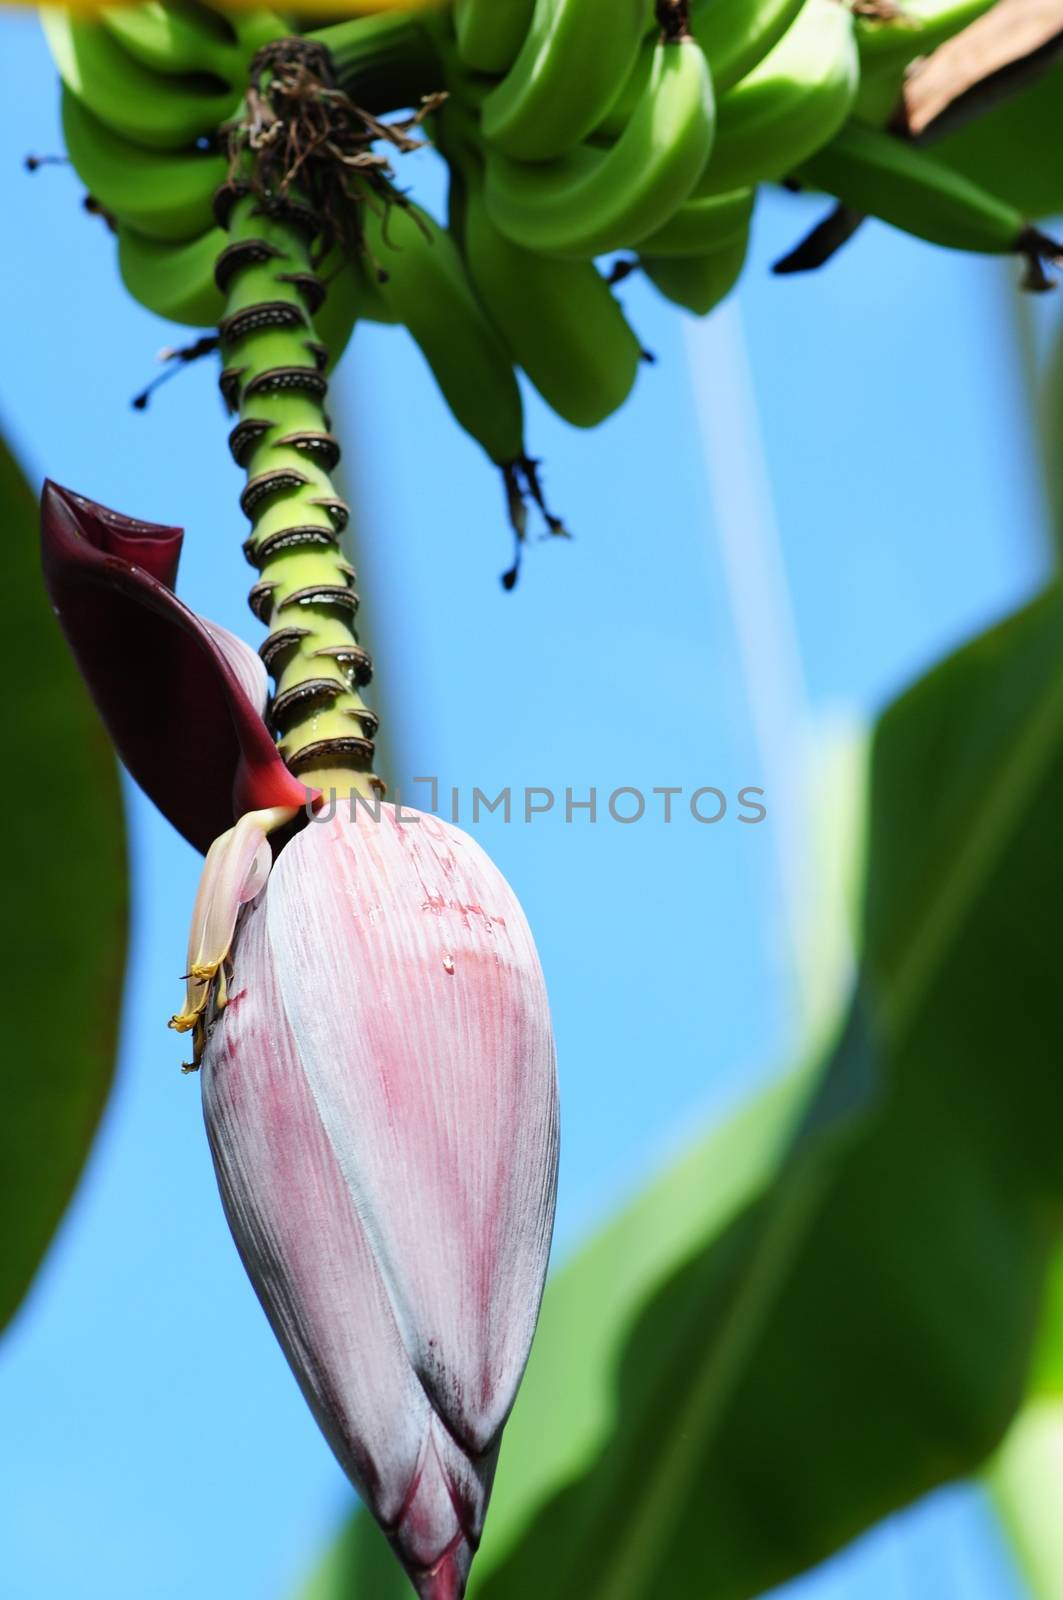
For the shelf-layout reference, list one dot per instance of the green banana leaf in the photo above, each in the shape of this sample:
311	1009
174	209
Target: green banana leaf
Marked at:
1025	1475
64	928
829	1306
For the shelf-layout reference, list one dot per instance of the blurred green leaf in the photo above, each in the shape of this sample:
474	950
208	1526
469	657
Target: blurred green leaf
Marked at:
764	1356
1025	1475
862	1332
64	929
1024	1482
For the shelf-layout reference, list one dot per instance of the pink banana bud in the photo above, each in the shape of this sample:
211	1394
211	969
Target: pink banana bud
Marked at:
378	1066
380	1098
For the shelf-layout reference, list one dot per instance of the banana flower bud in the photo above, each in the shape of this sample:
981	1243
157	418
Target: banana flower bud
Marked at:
380	1099
377	1060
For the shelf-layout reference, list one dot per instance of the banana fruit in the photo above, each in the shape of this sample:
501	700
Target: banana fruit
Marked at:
698	283
737	34
590	201
559	320
175	280
423	280
572	64
424	283
883	176
734	34
572	129
128	98
790	104
162	194
490	33
703	225
172	40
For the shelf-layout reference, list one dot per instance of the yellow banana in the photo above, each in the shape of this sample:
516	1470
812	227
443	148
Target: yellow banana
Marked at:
591	201
574	61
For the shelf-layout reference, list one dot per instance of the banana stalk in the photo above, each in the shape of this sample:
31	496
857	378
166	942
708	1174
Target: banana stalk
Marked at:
305	591
274	379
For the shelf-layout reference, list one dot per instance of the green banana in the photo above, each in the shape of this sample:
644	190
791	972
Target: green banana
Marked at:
165	195
887	46
165	40
574	61
877	173
176	281
734	34
591	201
350	299
737	34
427	289
789	105
490	33
917	27
702	225
161	113
559	320
173	39
698	283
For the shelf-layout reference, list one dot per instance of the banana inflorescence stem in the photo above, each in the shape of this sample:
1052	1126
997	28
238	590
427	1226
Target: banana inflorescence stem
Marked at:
274	380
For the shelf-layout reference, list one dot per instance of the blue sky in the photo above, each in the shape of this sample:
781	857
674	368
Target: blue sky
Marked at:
700	629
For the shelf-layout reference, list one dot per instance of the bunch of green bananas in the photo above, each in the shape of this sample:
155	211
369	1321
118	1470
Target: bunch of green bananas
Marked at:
146	92
572	129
